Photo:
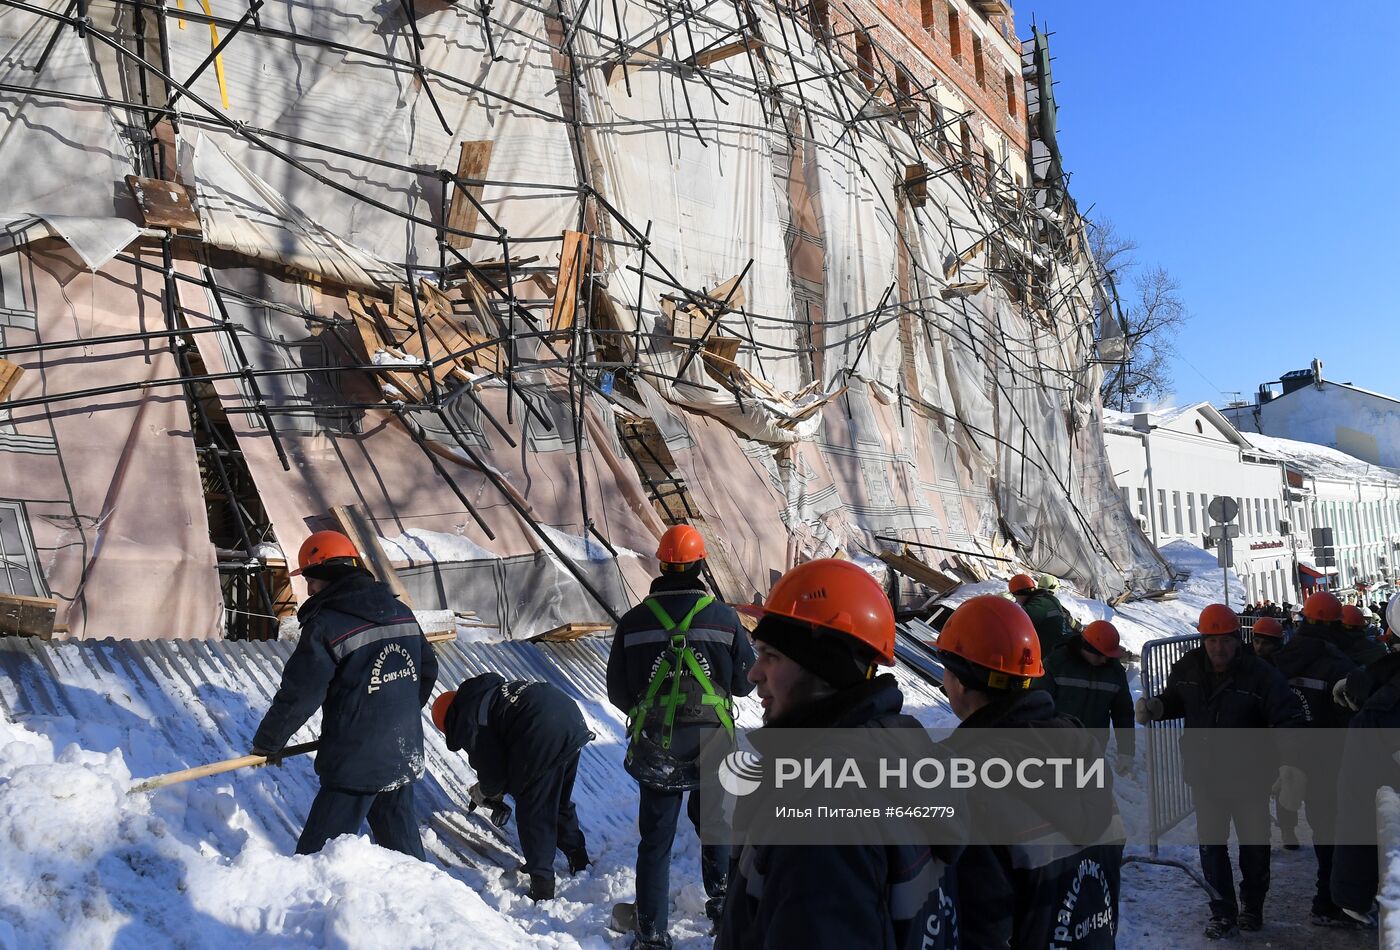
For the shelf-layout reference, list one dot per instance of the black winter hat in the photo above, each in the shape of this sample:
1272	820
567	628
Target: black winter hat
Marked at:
832	657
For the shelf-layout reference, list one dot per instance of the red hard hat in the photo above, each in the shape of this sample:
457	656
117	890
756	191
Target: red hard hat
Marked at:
321	547
835	595
1322	607
993	633
1352	616
1268	627
1218	620
1020	584
1103	636
681	544
440	707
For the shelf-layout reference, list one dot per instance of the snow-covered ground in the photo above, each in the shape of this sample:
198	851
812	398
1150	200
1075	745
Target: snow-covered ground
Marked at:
200	865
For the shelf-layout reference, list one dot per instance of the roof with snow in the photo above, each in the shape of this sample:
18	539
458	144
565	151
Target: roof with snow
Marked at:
1319	461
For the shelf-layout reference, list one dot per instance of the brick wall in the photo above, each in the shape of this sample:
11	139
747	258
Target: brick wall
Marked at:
926	54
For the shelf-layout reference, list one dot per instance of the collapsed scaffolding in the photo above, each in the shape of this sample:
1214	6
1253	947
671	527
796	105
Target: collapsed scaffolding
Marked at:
578	320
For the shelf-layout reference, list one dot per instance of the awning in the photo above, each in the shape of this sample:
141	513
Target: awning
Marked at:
1315	571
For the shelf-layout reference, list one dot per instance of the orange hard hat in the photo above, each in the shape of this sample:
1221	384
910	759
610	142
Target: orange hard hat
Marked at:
1352	616
1020	584
440	707
1322	607
1103	636
1268	627
835	595
992	633
1218	620
681	544
321	547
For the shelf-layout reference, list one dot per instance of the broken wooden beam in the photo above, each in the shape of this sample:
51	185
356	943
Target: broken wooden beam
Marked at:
9	377
572	631
27	616
462	211
164	204
574	260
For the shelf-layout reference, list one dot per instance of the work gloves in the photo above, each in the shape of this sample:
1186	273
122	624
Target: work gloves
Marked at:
1147	710
273	756
1290	787
498	811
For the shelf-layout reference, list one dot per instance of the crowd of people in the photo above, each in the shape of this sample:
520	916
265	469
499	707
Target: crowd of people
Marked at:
1048	875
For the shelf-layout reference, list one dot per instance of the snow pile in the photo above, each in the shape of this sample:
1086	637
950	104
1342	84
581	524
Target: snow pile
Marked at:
417	546
86	864
583	549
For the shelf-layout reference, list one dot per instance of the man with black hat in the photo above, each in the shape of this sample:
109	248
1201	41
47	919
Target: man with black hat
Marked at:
678	658
523	740
363	660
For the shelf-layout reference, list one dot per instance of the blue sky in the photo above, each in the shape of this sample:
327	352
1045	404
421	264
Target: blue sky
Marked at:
1253	150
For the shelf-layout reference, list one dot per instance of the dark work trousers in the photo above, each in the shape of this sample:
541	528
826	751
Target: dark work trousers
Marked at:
1250	816
1320	800
336	812
546	819
1287	820
657	815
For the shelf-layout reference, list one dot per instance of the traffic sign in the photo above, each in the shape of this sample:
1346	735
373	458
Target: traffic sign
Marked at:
1223	508
1225	553
1218	531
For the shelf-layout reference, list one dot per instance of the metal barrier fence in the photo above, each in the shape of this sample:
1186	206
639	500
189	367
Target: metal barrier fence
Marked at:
1168	795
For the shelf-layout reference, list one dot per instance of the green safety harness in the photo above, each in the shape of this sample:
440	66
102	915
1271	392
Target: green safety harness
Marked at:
679	660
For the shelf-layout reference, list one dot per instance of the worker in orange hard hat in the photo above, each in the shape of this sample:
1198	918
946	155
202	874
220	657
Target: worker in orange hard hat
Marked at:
363	660
824	630
1038	600
678	658
1019	895
522	739
1088	681
1222	685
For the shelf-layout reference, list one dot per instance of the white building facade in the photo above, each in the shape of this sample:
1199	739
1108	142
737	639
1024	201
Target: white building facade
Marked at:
1357	500
1170	464
1358	422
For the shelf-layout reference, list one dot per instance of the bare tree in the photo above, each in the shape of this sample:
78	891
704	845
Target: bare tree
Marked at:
1152	311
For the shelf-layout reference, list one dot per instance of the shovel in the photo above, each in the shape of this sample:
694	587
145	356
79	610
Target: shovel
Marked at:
215	768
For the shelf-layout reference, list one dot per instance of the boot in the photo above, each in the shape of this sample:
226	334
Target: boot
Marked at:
1251	920
1338	919
641	941
1290	838
578	861
541	887
1220	927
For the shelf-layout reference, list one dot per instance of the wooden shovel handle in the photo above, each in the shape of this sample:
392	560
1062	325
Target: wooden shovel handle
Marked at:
215	768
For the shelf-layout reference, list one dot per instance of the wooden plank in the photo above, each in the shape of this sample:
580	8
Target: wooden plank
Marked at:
361	531
574	259
912	567
953	264
9	377
462	215
617	70
164	204
572	631
27	616
712	56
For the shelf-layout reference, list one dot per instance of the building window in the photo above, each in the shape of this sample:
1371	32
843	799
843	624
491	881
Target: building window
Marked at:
1161	509
954	33
977	61
1191	510
902	83
966	150
1176	512
19	565
1142	503
1010	93
865	61
1259	527
926	14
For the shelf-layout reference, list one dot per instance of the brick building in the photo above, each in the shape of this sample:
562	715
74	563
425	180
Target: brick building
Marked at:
953	67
